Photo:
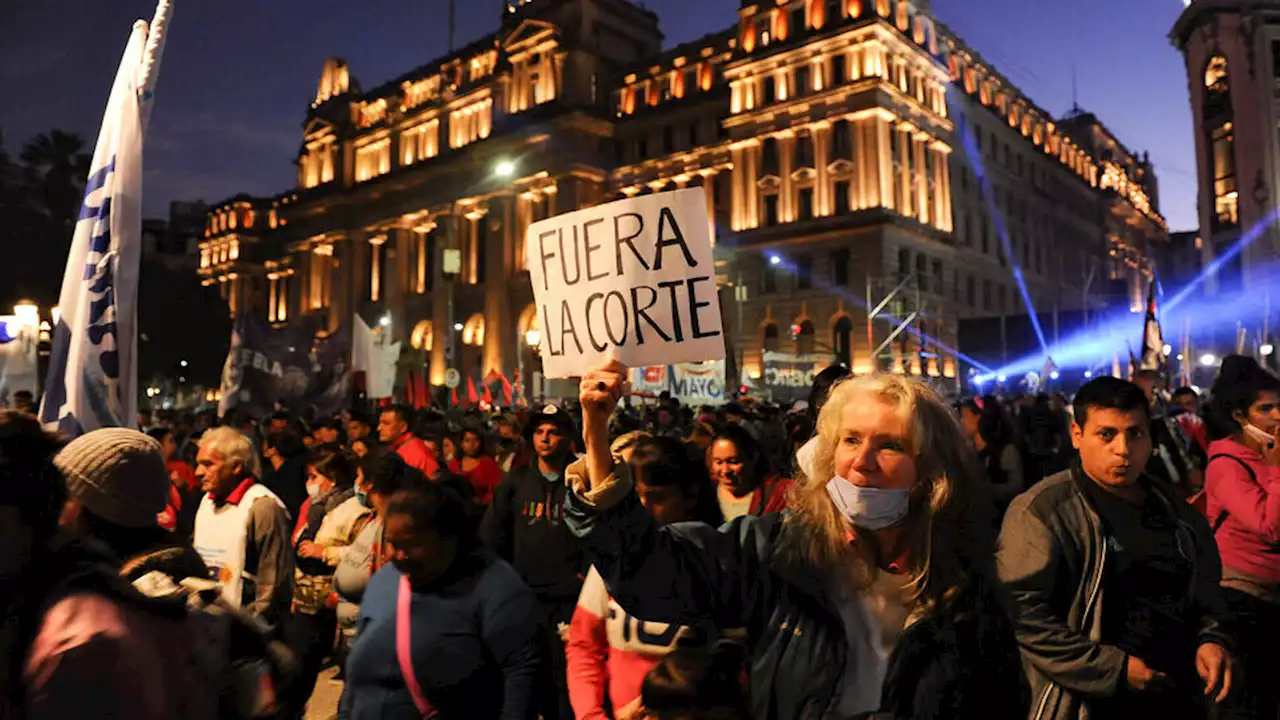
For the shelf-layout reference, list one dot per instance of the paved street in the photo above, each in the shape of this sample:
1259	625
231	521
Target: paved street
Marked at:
324	701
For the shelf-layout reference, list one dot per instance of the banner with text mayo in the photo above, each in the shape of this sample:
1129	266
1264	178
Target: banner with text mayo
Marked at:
633	280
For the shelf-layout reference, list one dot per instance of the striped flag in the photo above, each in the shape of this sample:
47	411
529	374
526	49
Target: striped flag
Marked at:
1152	336
93	365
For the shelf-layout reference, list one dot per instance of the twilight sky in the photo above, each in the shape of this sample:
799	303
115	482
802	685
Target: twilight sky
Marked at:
238	75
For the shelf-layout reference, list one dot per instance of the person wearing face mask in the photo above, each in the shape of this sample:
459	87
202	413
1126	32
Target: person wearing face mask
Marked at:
334	518
446	629
874	594
740	470
1242	493
1114	578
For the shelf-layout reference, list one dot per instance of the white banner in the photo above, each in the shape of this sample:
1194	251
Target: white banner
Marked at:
18	343
372	354
93	364
632	280
690	383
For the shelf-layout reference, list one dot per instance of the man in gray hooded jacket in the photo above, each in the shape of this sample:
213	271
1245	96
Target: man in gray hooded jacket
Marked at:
1114	582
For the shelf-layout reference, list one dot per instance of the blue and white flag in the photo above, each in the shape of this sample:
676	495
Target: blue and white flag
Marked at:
93	366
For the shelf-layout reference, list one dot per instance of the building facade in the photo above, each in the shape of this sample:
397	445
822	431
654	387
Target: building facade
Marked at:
871	181
1232	52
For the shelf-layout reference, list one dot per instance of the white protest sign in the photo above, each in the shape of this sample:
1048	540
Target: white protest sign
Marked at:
633	280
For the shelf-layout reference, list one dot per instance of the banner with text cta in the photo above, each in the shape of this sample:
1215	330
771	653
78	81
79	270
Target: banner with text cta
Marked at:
632	280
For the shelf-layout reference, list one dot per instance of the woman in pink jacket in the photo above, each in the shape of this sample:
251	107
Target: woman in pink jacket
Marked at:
1242	485
609	652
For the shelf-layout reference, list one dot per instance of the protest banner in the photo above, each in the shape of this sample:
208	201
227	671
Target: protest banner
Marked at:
298	367
788	378
632	280
691	383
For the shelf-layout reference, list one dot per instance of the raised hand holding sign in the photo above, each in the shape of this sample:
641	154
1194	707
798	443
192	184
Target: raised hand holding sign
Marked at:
632	280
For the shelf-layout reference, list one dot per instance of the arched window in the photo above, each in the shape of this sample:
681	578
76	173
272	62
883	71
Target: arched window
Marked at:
1220	128
771	338
473	331
421	339
842	341
804	338
1216	76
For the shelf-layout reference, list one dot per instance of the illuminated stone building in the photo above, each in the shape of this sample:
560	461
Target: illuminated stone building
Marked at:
1232	52
824	132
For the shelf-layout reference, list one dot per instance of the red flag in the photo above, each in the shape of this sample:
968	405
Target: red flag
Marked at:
506	388
410	388
487	396
423	398
472	398
453	396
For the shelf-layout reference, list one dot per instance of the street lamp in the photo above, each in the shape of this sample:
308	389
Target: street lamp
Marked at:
457	327
1168	350
775	260
28	313
1267	349
1088	373
1208	359
504	169
532	337
1054	375
385	321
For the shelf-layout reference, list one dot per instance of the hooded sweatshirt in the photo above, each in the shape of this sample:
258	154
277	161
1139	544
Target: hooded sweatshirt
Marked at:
1249	537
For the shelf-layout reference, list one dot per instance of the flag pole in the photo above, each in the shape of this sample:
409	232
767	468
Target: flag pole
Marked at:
157	33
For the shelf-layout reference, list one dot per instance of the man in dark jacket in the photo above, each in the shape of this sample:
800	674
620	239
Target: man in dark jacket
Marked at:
525	526
1115	583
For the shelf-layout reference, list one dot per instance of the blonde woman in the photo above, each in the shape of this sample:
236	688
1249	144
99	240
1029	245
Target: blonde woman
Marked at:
874	594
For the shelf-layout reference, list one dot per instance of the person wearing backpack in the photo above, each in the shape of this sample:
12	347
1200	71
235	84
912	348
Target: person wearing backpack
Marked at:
101	643
1242	502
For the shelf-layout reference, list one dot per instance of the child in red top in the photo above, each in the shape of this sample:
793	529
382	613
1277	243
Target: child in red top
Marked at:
477	466
609	652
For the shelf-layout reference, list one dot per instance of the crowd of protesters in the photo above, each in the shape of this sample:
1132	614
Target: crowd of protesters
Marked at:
874	551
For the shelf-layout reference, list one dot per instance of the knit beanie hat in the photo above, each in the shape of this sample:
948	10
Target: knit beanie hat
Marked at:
117	474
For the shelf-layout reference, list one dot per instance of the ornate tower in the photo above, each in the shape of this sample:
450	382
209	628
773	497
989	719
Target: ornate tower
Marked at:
1232	52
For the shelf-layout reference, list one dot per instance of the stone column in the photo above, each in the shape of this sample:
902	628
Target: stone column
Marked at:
924	205
787	191
864	185
948	216
884	162
498	327
738	210
441	328
822	183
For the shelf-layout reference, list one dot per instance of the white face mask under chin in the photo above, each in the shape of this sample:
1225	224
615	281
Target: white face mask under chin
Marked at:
866	507
1259	435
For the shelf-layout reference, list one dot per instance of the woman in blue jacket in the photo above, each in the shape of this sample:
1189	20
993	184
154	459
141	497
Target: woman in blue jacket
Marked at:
447	629
876	593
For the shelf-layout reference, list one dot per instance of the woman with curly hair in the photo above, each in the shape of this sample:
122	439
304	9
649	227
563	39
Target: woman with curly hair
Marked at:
876	592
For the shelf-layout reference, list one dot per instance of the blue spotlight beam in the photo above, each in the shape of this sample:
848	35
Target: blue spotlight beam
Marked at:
1098	344
1245	240
965	132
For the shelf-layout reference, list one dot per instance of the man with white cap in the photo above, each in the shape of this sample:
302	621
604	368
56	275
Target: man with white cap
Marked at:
105	646
242	528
